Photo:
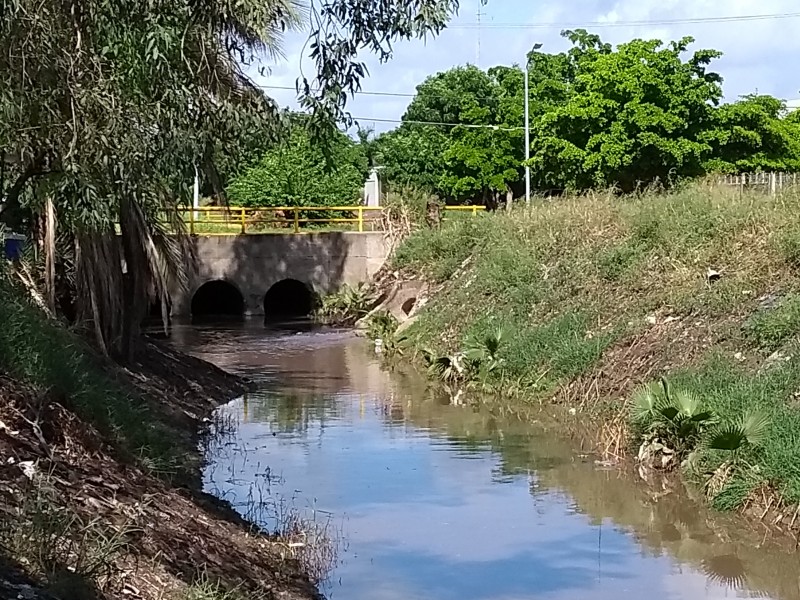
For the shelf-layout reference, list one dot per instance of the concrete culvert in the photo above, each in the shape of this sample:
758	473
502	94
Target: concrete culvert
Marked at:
288	298
217	299
408	306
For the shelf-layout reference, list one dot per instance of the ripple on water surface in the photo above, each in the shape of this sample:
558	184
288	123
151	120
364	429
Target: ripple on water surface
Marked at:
443	502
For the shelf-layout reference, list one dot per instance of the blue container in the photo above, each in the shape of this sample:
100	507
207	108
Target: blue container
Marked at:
14	244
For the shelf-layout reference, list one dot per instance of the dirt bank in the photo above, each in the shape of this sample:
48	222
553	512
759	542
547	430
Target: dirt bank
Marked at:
84	517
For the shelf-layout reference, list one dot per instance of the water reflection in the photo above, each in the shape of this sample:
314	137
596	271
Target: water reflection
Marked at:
448	502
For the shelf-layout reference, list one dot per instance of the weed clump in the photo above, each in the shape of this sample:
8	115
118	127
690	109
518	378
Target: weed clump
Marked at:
345	306
43	353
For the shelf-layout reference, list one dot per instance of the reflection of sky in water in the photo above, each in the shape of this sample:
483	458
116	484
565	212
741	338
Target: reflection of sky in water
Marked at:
427	519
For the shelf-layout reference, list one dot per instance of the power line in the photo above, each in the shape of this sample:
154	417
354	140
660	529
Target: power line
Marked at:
368	93
574	25
441	124
403	95
360	93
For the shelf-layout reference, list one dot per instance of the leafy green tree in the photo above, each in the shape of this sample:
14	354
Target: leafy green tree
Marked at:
753	134
454	140
298	173
413	156
486	153
632	115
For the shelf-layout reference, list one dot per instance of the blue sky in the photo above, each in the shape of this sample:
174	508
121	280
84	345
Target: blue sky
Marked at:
759	55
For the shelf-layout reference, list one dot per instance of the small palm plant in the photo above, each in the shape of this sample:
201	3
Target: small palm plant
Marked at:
678	418
479	360
748	430
483	353
449	369
346	306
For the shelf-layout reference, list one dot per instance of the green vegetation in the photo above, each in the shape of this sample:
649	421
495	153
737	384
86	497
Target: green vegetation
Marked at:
761	421
630	116
345	306
383	326
105	122
40	352
771	328
299	173
598	294
69	549
205	588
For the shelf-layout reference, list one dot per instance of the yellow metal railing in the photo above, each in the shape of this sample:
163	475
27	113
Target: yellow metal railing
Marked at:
473	208
237	220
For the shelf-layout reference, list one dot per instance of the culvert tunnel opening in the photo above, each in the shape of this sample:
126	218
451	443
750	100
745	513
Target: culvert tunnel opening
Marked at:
288	299
408	306
217	299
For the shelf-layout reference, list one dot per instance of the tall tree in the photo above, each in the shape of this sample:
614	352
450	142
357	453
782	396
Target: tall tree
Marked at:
457	138
754	134
298	173
632	115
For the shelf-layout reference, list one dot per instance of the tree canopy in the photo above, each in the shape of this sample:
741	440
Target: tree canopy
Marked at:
624	116
299	173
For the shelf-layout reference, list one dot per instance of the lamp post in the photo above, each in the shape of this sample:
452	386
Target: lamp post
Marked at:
527	143
536	48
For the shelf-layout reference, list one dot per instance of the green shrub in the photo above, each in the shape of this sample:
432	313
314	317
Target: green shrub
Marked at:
346	306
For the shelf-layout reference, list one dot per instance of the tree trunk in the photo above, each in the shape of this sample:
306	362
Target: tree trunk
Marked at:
433	215
10	207
50	254
135	298
509	197
99	287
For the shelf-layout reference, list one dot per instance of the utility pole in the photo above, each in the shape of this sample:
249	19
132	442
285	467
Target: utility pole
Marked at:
536	47
478	57
527	142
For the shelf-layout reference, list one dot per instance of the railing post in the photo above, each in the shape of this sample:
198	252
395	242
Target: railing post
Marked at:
244	221
360	218
296	219
474	211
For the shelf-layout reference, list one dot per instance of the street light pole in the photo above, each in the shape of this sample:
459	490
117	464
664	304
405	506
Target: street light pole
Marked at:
527	143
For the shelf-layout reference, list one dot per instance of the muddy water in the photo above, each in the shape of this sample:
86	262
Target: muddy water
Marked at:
443	502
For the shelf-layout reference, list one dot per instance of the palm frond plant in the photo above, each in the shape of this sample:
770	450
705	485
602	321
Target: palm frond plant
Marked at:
346	306
678	418
749	430
483	354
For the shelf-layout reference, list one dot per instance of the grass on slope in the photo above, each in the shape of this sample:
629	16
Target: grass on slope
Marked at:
43	353
605	293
